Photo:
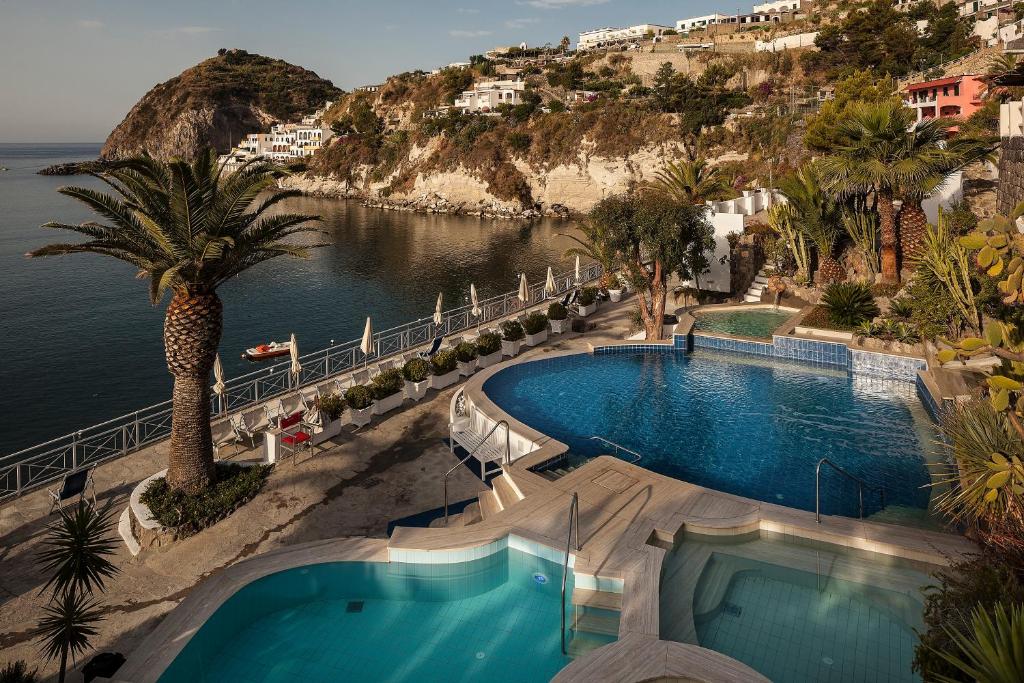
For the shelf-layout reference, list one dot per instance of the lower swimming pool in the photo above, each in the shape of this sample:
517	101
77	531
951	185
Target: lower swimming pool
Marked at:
754	427
744	322
495	619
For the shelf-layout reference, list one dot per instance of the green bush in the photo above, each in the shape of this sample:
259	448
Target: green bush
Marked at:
332	405
416	370
443	362
488	343
819	317
359	397
557	311
233	486
588	295
535	323
465	352
849	303
17	672
902	307
388	383
511	330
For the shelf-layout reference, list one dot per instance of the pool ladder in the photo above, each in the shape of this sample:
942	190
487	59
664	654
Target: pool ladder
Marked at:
574	516
861	485
636	456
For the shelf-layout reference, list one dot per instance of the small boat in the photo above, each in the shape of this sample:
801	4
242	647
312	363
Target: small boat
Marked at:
265	351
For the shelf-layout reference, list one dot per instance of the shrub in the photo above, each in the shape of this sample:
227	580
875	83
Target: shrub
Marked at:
849	303
556	311
535	323
416	370
359	397
388	383
233	486
488	343
819	318
901	308
443	362
588	295
465	352
17	672
511	330
332	405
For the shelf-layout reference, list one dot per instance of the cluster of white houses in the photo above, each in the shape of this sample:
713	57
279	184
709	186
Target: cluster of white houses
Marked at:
284	142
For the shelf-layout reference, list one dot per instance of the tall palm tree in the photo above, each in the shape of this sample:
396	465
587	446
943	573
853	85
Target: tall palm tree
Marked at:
188	229
876	157
815	214
690	181
594	245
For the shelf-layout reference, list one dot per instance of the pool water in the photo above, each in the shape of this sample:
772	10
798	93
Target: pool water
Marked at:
495	619
798	613
754	427
751	322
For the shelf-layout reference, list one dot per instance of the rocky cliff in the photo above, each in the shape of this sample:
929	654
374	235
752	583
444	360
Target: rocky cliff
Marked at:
215	103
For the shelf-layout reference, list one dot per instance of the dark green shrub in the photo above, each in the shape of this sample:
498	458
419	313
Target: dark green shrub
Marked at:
819	317
17	672
388	383
901	308
557	311
359	397
444	362
233	486
465	352
511	330
416	370
488	343
588	295
849	303
535	323
332	405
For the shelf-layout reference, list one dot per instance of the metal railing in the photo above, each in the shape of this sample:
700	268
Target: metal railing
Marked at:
45	462
861	485
618	447
574	516
508	458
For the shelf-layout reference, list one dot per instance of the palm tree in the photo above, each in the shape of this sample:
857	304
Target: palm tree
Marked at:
991	649
594	245
815	215
1001	64
188	229
877	157
690	181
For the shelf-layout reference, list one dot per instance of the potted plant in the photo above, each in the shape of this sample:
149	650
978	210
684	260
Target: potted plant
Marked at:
536	327
558	318
444	366
416	373
387	390
488	349
332	407
615	288
588	301
466	354
511	337
360	401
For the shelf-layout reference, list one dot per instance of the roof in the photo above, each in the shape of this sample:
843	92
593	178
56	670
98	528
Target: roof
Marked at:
949	80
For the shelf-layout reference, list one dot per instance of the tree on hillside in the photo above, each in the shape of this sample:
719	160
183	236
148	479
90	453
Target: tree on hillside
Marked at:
664	88
188	229
564	44
877	37
946	37
862	85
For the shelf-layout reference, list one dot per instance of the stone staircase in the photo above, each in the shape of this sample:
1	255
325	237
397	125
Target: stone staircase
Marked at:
753	295
500	496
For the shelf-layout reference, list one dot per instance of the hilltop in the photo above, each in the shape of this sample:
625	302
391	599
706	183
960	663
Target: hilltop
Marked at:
215	103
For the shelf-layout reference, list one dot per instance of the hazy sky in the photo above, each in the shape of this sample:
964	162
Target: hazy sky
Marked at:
70	70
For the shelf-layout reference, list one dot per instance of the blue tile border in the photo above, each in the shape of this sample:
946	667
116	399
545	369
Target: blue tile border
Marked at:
633	348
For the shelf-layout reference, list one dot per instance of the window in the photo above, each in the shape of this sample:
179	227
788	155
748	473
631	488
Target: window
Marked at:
945	91
956	90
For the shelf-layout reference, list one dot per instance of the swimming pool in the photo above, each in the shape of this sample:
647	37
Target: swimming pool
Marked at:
494	618
744	322
755	427
795	611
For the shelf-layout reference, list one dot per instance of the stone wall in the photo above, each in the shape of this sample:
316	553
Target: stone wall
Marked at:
1010	191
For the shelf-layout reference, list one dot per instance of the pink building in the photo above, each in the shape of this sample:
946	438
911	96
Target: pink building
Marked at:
952	96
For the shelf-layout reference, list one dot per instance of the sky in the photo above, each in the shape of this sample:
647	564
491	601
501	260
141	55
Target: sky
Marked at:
71	69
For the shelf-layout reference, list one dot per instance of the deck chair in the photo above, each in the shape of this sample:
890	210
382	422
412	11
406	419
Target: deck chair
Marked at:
434	348
274	412
360	377
74	484
297	433
308	397
241	431
569	297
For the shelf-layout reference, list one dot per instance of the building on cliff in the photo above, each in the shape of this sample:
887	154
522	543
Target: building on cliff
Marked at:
611	36
487	95
953	96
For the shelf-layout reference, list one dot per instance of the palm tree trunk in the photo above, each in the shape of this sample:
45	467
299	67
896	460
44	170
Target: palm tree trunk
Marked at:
192	329
887	224
63	663
913	227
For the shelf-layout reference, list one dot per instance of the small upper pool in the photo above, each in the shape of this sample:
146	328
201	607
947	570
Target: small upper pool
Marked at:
755	427
742	322
492	619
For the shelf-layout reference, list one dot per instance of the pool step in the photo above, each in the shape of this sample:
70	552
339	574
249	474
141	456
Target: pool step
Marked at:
753	295
503	489
584	597
489	504
601	623
581	644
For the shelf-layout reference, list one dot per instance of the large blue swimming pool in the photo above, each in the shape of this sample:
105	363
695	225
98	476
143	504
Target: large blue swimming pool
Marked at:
750	426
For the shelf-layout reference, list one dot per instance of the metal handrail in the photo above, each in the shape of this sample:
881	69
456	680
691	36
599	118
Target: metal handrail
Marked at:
574	514
618	447
508	450
861	485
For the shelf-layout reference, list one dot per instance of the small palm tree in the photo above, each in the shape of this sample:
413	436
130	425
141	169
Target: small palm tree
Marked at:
188	229
594	246
993	650
1001	64
68	624
817	217
690	181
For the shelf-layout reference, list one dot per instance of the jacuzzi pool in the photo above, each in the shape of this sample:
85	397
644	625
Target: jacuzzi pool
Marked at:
795	611
743	322
495	618
755	427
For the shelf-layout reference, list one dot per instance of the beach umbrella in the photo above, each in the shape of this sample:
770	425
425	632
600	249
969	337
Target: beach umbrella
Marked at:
524	289
473	300
218	380
366	346
294	350
577	268
438	319
549	286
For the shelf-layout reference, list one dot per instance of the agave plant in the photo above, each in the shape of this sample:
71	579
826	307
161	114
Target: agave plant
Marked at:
75	550
993	650
849	303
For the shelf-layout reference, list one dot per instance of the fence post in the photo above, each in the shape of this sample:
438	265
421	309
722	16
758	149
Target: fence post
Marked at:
74	450
138	434
17	478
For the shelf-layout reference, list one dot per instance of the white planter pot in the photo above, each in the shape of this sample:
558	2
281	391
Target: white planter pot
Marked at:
361	418
587	310
388	403
615	294
488	360
417	390
441	381
332	429
467	369
559	326
539	338
510	348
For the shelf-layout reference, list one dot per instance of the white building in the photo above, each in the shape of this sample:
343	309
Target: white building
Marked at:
615	36
296	140
778	6
487	95
687	25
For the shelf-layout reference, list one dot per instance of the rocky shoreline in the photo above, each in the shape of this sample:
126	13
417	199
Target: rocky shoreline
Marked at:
72	168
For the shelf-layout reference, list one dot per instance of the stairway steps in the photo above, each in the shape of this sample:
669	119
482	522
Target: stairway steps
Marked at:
507	495
760	280
593	623
471	514
489	504
752	298
584	597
